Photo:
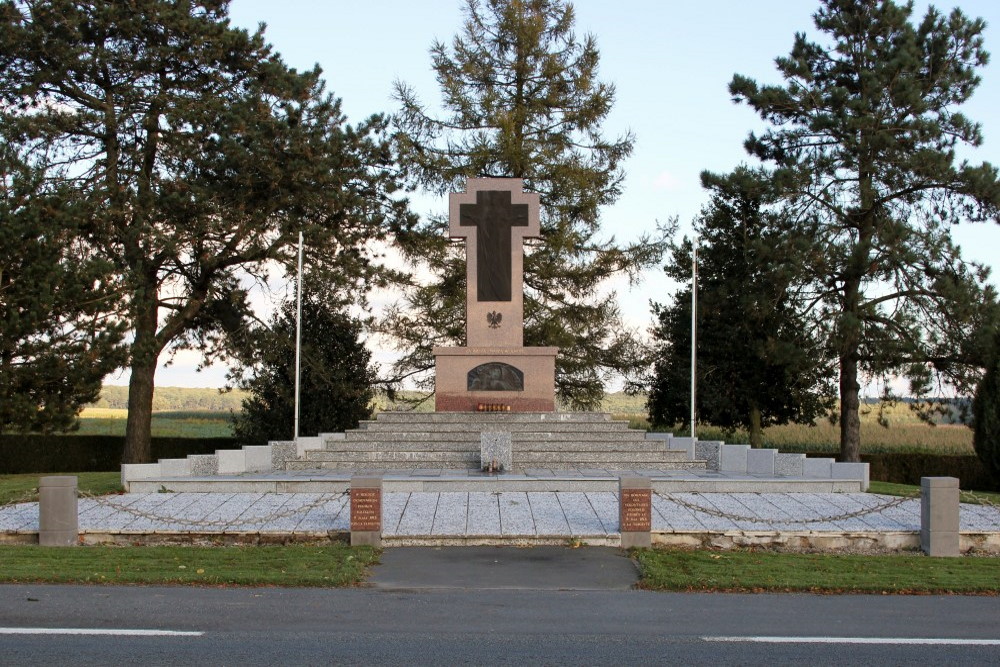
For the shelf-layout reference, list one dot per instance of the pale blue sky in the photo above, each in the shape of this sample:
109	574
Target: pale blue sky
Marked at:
670	60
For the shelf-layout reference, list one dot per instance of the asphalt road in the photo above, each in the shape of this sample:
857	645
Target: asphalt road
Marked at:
485	626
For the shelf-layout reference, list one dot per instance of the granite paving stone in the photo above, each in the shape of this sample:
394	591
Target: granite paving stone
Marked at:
23	516
418	516
451	517
484	514
674	515
515	514
548	513
605	504
330	515
580	514
393	505
711	523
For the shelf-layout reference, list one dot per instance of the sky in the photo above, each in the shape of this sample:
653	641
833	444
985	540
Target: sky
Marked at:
670	61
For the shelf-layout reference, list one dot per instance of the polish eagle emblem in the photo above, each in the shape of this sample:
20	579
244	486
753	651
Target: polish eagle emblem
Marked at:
494	318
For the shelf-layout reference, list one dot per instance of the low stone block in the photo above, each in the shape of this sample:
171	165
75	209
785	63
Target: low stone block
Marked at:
306	444
496	450
844	470
817	468
204	465
733	458
761	461
281	451
231	461
366	511
58	515
258	458
635	511
687	444
135	471
175	467
789	465
939	516
707	451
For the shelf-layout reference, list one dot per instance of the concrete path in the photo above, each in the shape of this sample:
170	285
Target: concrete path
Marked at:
512	515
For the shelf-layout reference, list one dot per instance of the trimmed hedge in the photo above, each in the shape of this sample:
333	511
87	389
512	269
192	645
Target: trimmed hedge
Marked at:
902	468
90	453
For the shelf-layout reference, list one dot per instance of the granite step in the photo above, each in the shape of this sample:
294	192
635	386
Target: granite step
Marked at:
517	446
464	426
492	417
454	465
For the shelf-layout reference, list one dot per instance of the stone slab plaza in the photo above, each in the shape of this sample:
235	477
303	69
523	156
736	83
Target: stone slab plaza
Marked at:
497	463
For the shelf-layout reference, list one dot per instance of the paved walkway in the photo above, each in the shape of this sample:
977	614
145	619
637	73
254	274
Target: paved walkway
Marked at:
498	514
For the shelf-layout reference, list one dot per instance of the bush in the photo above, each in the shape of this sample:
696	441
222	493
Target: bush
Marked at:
986	416
90	453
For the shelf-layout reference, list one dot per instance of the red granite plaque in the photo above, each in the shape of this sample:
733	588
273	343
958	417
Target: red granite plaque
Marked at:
636	510
366	509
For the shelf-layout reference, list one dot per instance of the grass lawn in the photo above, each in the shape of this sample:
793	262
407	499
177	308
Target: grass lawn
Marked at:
166	424
972	497
290	565
24	488
762	571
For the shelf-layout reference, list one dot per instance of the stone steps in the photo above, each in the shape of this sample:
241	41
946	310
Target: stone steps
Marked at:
517	436
606	465
513	426
401	444
490	417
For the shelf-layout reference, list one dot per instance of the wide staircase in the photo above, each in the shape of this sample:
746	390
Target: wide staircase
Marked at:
451	440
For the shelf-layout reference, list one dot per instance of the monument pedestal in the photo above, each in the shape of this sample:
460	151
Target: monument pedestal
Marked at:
521	378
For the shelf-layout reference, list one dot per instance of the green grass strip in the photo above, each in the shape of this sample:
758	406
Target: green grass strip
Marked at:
334	565
683	570
971	497
24	488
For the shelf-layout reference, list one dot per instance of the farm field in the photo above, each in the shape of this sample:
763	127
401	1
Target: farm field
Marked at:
166	424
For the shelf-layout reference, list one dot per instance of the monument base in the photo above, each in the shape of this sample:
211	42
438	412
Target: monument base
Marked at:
459	388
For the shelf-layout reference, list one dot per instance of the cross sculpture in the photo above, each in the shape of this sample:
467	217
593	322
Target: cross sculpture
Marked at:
494	216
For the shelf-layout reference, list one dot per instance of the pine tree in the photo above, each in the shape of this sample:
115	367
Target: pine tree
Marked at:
986	414
57	338
863	144
338	380
200	155
523	100
758	363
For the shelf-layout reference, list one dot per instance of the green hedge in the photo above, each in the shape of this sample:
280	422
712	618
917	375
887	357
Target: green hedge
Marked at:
90	453
901	468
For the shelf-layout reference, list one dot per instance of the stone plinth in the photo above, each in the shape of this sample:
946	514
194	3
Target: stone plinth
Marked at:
456	391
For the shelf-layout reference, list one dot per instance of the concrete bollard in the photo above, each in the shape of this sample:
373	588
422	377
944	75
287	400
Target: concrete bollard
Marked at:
58	523
366	511
939	524
635	508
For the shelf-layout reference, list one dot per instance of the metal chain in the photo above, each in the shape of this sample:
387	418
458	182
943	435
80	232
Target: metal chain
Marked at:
27	497
218	523
711	511
973	498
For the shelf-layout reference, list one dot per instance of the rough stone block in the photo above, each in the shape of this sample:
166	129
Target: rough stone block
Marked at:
707	451
175	467
939	516
842	470
281	451
733	458
258	458
789	465
761	461
204	465
817	468
496	450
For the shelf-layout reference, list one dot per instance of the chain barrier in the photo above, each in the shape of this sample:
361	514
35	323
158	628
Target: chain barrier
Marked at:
30	496
711	511
973	498
324	499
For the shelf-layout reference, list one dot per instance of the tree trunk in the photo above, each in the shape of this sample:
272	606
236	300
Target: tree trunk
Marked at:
850	419
756	432
140	390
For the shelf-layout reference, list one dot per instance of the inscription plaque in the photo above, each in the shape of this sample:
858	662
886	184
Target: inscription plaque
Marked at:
636	510
366	509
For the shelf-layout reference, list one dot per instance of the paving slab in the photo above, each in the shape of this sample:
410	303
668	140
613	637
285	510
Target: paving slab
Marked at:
507	568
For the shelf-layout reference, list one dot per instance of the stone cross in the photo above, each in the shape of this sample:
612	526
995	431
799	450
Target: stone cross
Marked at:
494	216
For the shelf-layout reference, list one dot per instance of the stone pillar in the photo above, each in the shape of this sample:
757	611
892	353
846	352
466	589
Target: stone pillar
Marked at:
939	516
366	511
635	511
58	524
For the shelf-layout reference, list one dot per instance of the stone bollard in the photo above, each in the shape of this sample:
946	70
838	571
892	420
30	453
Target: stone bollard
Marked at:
58	524
939	516
635	519
366	511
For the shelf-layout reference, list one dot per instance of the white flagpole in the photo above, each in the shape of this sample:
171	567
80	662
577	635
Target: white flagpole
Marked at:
694	332
298	339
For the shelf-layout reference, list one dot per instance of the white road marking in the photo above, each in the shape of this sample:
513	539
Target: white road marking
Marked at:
858	640
99	631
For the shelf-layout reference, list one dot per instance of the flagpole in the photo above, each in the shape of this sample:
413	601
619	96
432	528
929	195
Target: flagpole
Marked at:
298	339
694	333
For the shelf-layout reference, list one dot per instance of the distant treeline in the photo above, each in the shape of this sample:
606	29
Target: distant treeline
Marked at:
175	398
